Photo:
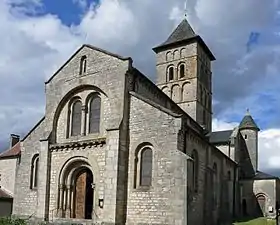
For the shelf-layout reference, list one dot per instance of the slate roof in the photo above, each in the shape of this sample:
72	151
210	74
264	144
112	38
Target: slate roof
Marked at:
4	194
184	33
220	137
264	176
12	152
248	122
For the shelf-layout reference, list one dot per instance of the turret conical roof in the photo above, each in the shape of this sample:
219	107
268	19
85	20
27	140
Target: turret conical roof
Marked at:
248	122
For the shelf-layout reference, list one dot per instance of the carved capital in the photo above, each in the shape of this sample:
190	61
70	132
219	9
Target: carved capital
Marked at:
69	186
84	108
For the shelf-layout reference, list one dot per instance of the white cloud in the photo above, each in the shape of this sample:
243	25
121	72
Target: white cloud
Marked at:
111	24
218	125
81	3
269	145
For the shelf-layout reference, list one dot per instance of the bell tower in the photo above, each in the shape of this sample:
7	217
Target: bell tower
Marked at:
183	65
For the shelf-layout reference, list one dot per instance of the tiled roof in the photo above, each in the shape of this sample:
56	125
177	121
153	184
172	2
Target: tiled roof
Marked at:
4	194
264	176
12	152
248	122
220	137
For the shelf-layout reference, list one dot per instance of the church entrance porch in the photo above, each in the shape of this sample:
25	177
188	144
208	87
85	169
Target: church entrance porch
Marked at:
76	191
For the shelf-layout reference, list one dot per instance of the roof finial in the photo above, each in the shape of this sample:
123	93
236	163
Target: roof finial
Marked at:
247	111
185	10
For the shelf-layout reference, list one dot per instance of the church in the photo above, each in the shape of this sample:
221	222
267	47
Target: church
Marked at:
115	148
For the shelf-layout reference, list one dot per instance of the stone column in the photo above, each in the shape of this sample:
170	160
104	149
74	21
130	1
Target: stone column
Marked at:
64	198
84	124
68	202
43	181
60	200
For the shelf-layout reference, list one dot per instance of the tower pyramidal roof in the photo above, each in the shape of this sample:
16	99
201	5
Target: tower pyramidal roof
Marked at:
184	34
248	122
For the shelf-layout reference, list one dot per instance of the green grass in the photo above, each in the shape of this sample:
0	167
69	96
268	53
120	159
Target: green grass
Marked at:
11	221
259	221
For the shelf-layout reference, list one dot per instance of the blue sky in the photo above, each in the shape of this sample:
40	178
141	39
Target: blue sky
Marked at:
70	12
39	36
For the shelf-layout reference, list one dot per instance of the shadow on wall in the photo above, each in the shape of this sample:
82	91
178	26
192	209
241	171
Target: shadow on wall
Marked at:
251	208
6	205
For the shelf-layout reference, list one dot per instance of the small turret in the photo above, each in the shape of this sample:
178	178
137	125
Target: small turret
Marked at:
249	130
248	122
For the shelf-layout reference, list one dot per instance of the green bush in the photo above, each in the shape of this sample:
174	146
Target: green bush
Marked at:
12	221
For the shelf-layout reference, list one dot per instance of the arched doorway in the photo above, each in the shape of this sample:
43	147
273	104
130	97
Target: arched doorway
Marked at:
261	204
83	195
244	207
76	190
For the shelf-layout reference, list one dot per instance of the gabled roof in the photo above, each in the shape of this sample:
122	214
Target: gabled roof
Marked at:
93	48
12	152
184	34
4	194
220	137
264	176
248	122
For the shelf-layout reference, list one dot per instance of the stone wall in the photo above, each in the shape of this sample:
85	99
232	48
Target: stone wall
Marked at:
104	72
224	149
8	174
250	137
192	92
25	199
197	197
174	56
268	189
96	158
164	202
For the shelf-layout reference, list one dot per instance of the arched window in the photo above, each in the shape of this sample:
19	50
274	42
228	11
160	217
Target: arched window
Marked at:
195	169
94	114
34	172
146	164
76	118
182	70
170	73
83	65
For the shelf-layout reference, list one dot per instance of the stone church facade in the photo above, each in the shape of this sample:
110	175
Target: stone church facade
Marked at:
115	148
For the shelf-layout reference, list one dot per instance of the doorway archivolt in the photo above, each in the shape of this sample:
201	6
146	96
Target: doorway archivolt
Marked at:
77	190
